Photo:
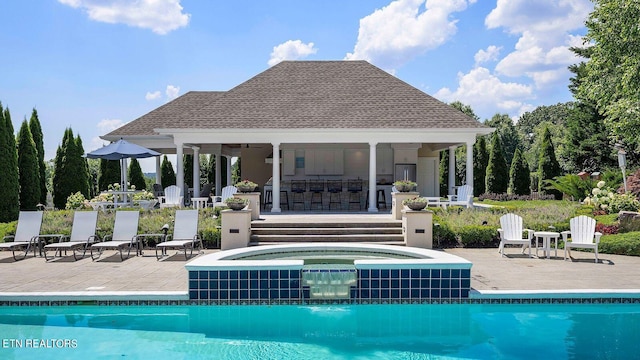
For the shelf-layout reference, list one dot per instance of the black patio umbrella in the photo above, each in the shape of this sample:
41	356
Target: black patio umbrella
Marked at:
122	150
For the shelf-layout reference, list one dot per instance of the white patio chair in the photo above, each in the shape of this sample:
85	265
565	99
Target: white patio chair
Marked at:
511	231
226	193
83	234
125	231
172	197
185	235
463	197
26	237
583	235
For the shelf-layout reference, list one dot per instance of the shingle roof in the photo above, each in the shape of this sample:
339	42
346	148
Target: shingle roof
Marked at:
308	94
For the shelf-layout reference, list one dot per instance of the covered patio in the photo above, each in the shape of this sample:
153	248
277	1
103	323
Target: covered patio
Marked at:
338	122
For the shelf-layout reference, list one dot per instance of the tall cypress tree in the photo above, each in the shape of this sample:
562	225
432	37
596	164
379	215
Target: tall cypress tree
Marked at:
38	139
211	170
444	173
168	174
80	162
480	163
497	172
188	170
519	175
71	174
28	170
548	166
136	177
9	183
109	173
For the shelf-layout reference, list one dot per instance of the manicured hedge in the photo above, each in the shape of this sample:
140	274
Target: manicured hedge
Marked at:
620	244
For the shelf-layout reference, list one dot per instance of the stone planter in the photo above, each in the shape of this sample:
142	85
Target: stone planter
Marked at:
396	203
236	206
253	199
418	205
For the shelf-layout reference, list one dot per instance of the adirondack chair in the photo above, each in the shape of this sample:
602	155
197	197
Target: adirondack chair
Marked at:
583	235
227	192
172	197
463	197
511	231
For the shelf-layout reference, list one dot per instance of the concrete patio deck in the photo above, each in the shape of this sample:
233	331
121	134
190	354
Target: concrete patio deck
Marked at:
145	273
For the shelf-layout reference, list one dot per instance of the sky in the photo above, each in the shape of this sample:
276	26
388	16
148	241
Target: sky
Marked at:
94	65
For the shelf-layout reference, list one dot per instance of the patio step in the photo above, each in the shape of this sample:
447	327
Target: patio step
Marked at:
268	233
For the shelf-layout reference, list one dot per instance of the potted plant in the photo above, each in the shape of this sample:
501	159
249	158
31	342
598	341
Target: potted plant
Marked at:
416	203
404	185
246	186
235	203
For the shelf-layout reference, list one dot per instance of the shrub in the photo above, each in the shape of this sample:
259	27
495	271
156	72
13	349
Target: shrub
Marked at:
75	201
607	229
603	198
510	197
478	236
620	244
443	236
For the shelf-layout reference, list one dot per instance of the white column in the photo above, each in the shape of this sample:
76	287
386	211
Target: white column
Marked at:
452	170
275	190
218	173
229	181
180	168
196	171
470	164
372	177
158	171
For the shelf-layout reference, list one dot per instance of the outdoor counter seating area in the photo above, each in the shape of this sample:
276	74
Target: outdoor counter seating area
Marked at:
326	194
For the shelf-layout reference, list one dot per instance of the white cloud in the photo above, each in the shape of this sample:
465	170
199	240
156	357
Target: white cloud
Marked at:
108	125
291	50
404	29
542	51
104	126
172	92
153	95
487	94
161	16
491	54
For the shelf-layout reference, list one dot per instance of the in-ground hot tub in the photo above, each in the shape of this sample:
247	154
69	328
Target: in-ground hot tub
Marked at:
319	272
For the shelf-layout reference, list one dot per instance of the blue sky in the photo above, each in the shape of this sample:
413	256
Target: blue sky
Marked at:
94	65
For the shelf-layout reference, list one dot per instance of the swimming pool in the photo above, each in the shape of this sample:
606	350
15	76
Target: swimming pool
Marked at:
322	332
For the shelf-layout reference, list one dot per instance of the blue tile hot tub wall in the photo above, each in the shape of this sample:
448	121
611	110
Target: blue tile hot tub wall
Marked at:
285	285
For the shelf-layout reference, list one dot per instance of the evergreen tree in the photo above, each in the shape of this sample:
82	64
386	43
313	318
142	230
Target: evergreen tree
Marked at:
28	170
519	175
38	139
509	139
168	174
444	173
136	177
59	183
548	167
109	173
80	162
497	179
480	163
211	169
9	180
223	169
188	169
71	173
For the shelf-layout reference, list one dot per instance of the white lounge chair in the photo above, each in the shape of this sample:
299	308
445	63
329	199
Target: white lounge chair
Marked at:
125	231
226	193
26	237
172	197
185	235
511	231
583	235
83	234
463	197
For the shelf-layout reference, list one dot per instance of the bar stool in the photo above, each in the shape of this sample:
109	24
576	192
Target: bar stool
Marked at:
334	187
284	200
380	200
268	199
298	187
355	188
316	187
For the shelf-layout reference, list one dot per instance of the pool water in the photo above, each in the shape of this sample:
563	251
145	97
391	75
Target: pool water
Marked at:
322	332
